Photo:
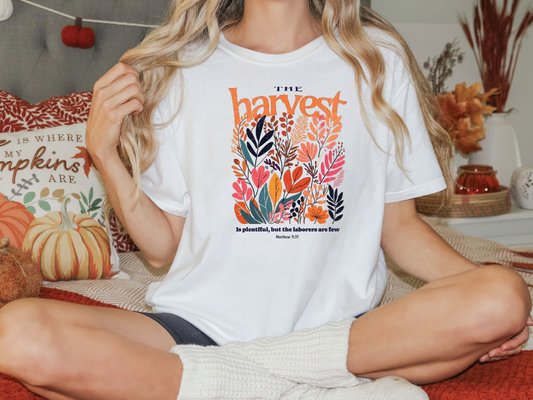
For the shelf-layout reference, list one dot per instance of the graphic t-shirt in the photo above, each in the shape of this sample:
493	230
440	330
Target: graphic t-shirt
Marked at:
283	189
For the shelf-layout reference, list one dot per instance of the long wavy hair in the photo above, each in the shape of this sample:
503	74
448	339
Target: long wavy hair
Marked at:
161	56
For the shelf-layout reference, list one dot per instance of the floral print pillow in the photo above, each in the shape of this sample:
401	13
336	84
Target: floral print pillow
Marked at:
51	203
18	115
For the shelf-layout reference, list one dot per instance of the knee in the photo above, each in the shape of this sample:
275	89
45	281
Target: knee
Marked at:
26	332
503	302
18	321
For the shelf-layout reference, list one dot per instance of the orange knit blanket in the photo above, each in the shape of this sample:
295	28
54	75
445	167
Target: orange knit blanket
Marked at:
511	379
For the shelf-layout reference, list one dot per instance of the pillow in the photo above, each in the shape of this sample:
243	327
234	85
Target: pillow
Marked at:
51	203
18	115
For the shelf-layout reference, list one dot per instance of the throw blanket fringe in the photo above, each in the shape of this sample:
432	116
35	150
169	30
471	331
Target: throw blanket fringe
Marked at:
483	251
480	251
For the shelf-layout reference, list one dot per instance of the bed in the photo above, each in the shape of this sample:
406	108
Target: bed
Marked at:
45	87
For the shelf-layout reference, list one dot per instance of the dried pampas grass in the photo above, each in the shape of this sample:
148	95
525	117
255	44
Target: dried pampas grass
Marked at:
496	44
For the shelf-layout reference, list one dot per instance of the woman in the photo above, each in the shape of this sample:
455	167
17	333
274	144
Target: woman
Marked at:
263	137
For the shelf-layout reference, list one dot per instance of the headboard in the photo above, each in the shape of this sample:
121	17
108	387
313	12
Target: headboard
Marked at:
34	63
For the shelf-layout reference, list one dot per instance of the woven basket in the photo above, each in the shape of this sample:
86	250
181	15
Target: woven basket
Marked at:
467	205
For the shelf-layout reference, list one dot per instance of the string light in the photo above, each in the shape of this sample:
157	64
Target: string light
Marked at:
88	20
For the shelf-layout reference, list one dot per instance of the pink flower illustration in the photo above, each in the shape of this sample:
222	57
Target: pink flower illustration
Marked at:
242	189
260	176
284	213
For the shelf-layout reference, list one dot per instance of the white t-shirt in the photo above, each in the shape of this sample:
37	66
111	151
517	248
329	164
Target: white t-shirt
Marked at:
283	189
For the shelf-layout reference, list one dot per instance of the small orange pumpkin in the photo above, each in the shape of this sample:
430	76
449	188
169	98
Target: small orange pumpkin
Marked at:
14	221
69	246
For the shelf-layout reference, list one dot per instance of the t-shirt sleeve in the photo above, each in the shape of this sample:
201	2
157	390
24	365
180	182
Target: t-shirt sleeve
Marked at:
422	174
164	182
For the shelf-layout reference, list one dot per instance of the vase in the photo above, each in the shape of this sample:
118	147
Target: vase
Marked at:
499	148
477	179
522	187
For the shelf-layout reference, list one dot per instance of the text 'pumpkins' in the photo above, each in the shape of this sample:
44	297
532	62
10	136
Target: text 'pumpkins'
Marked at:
69	246
14	221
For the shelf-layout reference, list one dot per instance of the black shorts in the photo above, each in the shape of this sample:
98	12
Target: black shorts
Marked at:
182	332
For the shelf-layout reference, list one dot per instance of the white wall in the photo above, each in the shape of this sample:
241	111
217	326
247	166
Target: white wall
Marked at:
428	25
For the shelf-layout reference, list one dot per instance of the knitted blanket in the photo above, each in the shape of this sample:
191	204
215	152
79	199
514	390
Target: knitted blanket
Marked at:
510	379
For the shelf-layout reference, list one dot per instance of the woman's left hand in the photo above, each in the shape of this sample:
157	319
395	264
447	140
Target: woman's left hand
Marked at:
510	348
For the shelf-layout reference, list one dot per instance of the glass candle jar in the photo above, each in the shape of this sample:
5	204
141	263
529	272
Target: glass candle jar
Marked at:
476	179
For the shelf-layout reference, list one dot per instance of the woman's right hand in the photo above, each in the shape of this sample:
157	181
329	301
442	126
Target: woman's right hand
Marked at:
115	95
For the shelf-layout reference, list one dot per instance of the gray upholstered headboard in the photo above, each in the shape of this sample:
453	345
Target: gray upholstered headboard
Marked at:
35	65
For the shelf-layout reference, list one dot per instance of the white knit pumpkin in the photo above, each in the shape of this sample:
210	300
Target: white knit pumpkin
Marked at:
6	9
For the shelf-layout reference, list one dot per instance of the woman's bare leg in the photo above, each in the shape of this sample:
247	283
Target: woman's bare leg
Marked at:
63	351
441	329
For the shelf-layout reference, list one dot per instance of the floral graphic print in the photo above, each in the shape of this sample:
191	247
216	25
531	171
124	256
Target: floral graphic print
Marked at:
288	169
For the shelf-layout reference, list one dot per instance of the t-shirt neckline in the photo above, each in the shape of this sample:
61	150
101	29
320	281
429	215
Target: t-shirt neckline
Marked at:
256	56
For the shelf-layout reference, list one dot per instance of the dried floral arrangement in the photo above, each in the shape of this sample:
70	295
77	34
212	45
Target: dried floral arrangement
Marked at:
496	44
462	115
441	67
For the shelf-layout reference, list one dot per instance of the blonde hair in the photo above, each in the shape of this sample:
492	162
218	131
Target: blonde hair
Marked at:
161	56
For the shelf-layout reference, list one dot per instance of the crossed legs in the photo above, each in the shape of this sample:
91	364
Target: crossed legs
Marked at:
441	329
65	351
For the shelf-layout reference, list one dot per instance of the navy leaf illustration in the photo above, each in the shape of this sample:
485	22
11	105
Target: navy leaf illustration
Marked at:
258	146
267	147
251	150
251	136
259	127
266	138
335	206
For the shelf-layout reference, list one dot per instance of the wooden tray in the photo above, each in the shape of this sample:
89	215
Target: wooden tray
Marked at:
467	205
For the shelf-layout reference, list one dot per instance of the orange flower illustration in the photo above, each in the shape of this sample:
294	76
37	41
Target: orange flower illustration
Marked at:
307	152
317	214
